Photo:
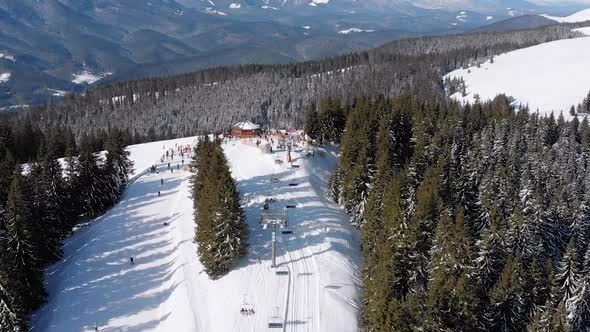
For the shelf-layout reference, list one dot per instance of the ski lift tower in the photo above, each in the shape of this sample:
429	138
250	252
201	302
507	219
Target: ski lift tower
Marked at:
274	220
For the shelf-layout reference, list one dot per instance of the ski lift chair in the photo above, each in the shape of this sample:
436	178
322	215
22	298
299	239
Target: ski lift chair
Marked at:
275	321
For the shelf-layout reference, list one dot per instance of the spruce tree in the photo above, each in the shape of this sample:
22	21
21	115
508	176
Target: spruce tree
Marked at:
491	254
92	186
13	316
312	123
506	307
117	165
428	208
23	246
567	276
7	165
452	301
222	231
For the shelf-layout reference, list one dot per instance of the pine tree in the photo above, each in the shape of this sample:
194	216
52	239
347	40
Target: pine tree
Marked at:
222	232
505	311
117	165
312	123
93	187
559	320
567	276
491	254
579	307
451	300
428	209
12	315
23	247
6	168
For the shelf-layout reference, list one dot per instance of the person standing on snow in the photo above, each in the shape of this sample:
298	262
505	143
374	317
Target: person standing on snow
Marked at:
131	261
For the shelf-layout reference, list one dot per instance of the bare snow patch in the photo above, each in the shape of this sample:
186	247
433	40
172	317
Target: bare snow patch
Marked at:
353	30
4	77
489	18
550	77
7	57
87	77
57	93
235	6
210	10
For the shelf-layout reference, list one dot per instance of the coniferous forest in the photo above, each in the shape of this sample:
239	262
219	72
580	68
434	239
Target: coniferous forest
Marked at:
40	204
473	218
221	228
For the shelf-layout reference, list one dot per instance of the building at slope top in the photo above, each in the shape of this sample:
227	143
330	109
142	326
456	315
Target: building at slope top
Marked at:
245	129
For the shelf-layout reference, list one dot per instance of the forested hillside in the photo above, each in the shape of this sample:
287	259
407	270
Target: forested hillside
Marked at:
40	206
277	95
473	218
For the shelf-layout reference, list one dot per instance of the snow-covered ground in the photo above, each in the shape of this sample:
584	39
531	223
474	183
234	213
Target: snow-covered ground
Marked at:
167	290
7	57
87	77
353	30
549	77
4	77
581	16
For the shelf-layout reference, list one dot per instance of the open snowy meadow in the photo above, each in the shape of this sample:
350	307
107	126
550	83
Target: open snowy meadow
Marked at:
549	77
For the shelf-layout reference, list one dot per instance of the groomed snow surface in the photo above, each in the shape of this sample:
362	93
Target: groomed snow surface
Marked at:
549	77
581	16
167	290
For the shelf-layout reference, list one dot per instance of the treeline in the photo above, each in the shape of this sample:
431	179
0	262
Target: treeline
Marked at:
221	227
583	107
277	95
40	205
24	139
473	218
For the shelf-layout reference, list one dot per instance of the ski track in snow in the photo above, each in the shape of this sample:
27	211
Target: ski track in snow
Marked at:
167	289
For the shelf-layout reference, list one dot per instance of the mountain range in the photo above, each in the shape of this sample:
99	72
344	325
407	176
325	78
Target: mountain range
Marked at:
52	47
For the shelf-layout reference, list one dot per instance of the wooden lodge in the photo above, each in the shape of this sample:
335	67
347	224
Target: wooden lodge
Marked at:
245	129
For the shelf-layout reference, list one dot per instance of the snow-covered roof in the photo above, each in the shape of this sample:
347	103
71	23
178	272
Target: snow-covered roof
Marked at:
246	125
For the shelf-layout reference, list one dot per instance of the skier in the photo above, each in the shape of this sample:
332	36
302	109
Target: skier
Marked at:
183	161
161	181
172	169
177	166
95	327
158	193
168	165
131	260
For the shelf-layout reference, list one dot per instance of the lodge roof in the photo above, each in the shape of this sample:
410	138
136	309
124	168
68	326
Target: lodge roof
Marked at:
246	125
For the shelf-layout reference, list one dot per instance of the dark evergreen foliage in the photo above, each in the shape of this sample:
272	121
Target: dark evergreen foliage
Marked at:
468	220
40	205
221	228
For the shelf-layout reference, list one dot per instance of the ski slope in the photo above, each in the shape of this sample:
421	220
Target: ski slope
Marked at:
167	290
581	16
549	77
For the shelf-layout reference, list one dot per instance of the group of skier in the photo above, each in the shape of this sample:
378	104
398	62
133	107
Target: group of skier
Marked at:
247	311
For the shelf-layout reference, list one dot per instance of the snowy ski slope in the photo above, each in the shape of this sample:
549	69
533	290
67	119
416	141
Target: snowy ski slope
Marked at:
167	290
549	77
